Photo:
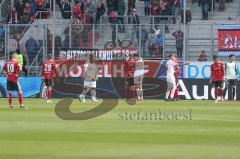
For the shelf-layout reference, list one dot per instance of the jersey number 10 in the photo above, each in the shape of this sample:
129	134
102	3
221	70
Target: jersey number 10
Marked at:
10	68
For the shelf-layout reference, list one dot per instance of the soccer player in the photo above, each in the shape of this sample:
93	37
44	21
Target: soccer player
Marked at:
231	71
11	70
177	72
90	79
171	81
138	76
217	77
48	70
129	69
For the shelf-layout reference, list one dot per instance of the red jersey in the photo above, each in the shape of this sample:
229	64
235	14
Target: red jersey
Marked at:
129	67
217	70
12	70
177	72
48	69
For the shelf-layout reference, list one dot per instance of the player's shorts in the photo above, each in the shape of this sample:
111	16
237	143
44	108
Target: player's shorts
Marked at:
130	81
171	81
230	82
12	86
218	84
91	84
48	82
138	80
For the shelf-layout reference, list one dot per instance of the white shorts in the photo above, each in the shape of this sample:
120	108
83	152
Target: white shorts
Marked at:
138	80
91	84
171	81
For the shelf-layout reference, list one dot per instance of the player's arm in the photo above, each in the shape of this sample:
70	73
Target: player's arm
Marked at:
211	75
43	68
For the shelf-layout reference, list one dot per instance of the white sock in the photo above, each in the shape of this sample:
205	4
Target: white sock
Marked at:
138	93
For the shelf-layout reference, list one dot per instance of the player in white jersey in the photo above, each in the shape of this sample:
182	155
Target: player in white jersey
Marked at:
138	76
171	81
231	70
90	79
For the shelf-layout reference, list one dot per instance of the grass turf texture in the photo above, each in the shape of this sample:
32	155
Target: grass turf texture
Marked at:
213	132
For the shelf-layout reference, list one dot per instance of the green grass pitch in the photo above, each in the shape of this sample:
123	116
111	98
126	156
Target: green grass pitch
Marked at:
212	133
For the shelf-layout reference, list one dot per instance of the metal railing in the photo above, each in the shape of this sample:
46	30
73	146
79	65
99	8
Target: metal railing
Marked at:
35	66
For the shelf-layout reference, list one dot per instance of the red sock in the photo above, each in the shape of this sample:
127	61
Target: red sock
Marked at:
10	99
132	93
176	93
125	94
49	94
20	98
216	93
222	92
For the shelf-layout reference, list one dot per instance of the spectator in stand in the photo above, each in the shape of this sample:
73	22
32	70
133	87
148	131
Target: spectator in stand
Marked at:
134	19
112	5
17	5
179	42
157	30
121	13
165	10
49	41
173	5
89	10
77	29
152	43
27	14
159	46
114	22
78	9
65	39
204	7
13	19
202	57
100	12
147	7
144	38
131	6
66	9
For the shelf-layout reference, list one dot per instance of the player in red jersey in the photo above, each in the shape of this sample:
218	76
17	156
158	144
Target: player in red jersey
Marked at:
129	69
11	70
177	72
48	70
217	77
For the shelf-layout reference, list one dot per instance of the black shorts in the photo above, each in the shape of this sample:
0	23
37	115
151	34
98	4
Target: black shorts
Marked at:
130	81
218	84
231	82
12	86
48	82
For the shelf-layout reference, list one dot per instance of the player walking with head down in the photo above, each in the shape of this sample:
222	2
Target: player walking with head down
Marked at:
171	81
138	76
48	71
231	70
11	70
217	77
129	69
90	79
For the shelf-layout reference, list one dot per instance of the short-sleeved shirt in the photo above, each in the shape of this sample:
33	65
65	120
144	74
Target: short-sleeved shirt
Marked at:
129	68
217	69
170	68
231	70
48	69
12	70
